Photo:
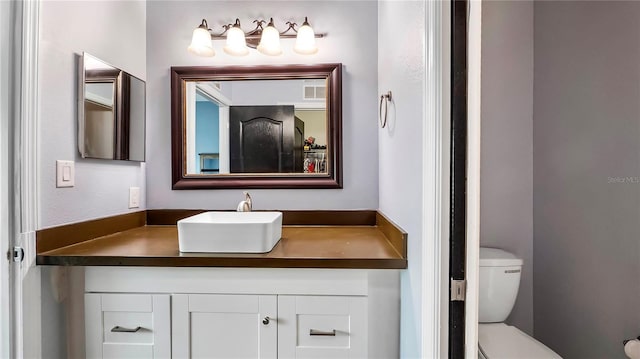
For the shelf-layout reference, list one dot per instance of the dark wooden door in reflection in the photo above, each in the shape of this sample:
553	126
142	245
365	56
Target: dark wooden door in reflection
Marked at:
265	139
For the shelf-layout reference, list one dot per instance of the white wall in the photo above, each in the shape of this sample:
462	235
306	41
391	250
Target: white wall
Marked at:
587	176
401	66
114	31
351	39
506	193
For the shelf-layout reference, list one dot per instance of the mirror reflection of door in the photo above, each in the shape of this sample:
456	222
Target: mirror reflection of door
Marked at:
265	139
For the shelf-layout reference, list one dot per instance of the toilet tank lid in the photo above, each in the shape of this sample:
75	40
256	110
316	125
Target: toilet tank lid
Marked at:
494	257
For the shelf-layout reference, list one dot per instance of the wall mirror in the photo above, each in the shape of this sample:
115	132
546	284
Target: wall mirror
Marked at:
257	126
111	112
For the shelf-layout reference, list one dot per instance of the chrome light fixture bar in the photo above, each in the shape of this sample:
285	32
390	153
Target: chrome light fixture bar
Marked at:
265	39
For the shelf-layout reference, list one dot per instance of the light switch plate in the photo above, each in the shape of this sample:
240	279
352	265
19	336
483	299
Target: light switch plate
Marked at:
65	173
134	197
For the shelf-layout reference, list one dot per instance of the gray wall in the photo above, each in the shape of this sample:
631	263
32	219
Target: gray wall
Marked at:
401	66
506	180
349	26
114	31
586	177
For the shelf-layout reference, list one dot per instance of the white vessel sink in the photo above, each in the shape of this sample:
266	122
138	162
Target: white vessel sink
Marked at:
230	232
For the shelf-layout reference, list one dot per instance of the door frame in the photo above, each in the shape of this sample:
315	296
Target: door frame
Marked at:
24	305
7	25
458	212
435	184
192	89
223	102
473	177
465	177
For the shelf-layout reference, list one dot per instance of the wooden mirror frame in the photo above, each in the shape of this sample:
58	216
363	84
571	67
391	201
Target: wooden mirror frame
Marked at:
333	74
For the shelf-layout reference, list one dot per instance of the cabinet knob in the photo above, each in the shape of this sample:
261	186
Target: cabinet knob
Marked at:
266	320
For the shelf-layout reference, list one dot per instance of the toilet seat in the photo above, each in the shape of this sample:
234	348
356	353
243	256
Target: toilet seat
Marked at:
501	341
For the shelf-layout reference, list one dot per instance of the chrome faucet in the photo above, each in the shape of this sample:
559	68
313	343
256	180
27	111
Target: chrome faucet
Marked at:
245	206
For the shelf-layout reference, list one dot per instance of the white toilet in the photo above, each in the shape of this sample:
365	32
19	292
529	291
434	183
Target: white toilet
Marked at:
499	282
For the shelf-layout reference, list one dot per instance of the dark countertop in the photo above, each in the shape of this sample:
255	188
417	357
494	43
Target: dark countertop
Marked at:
340	246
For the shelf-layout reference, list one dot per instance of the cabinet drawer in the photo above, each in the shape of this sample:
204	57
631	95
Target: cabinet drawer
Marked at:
127	325
322	327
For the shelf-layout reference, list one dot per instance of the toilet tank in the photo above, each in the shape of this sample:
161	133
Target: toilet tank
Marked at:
498	286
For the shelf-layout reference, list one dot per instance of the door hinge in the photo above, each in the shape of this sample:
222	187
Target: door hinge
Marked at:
458	290
18	254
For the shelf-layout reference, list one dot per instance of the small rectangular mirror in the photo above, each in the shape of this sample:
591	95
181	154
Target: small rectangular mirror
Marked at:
111	112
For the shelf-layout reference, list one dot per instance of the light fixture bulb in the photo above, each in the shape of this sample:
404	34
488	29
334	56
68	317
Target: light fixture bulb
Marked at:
305	40
270	41
201	41
236	42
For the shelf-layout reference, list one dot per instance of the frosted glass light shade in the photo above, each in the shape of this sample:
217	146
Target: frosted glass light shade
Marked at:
305	40
201	43
236	43
270	41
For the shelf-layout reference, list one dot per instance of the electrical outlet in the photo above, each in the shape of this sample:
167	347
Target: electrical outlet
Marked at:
65	173
134	197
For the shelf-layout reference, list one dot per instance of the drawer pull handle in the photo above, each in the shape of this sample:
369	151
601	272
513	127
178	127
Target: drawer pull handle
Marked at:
321	333
119	329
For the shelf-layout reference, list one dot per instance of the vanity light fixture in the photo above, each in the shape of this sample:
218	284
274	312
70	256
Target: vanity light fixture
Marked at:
305	40
265	39
270	40
236	42
201	41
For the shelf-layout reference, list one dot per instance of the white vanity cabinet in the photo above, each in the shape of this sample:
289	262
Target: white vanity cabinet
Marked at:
243	313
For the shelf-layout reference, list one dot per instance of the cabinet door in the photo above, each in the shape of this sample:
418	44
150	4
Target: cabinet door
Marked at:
224	326
322	327
127	326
